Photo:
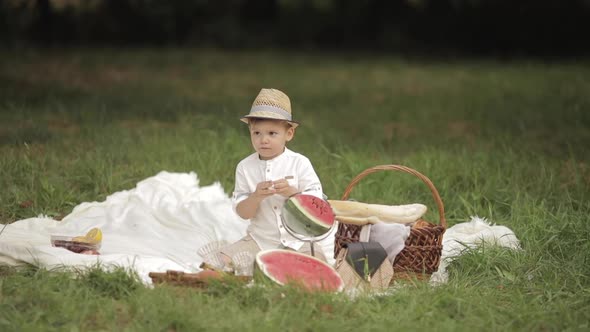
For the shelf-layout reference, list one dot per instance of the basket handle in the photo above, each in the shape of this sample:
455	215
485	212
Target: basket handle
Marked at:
426	180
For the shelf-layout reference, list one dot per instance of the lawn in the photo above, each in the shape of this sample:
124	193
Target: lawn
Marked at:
506	140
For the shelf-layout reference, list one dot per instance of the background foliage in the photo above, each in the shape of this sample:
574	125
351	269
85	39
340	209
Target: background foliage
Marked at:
485	27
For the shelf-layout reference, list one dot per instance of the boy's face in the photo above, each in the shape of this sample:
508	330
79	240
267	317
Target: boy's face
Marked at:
269	137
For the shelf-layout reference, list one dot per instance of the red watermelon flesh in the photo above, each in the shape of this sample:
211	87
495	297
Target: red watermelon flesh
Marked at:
290	267
308	215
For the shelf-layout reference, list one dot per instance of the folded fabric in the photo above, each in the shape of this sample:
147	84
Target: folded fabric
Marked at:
157	226
392	237
470	235
161	223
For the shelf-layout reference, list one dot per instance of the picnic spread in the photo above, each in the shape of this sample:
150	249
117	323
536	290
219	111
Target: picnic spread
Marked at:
158	227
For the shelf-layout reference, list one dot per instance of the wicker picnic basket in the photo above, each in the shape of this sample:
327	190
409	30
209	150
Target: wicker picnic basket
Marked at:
421	254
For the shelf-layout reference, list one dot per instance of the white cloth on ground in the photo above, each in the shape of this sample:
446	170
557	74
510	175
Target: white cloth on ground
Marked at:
161	223
157	226
470	235
392	237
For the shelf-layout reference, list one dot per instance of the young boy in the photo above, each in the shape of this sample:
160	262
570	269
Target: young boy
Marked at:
269	176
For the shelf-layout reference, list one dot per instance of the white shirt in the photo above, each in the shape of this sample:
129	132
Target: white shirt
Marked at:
266	227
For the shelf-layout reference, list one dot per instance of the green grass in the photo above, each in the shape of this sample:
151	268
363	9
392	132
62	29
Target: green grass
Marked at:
504	140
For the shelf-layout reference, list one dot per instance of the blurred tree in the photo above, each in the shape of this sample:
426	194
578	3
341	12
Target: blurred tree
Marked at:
473	26
42	28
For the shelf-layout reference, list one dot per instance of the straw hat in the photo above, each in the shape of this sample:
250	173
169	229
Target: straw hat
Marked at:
271	104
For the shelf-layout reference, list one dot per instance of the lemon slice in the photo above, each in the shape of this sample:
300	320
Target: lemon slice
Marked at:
81	239
94	236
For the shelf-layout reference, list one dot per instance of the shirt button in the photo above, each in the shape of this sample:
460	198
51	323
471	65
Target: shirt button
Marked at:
274	207
268	170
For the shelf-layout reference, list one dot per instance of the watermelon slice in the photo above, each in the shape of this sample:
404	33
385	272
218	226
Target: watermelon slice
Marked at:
308	215
290	267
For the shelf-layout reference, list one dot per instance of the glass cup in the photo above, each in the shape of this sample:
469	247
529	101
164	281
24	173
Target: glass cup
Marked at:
211	254
243	263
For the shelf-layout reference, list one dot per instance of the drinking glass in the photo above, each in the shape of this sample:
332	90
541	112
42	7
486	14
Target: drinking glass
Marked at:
243	263
211	254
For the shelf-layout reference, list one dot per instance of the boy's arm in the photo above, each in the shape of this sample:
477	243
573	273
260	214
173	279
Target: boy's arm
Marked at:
245	202
241	191
247	208
309	182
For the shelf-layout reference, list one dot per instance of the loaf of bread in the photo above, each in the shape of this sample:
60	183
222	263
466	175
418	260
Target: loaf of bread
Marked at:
358	213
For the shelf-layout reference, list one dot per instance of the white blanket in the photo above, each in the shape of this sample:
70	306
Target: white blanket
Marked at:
157	226
468	236
161	223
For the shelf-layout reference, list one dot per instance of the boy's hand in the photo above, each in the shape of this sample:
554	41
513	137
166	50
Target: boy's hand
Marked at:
248	208
283	188
264	189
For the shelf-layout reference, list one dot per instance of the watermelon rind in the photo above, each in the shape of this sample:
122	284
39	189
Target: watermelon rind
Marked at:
328	278
298	223
301	199
304	223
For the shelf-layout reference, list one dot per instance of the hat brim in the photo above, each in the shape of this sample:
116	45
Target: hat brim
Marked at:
244	119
